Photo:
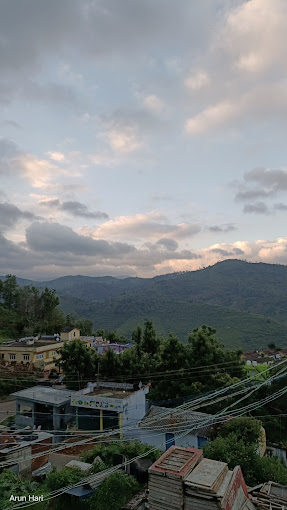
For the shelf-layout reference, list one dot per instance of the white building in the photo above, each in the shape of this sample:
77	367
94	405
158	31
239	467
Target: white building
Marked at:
107	405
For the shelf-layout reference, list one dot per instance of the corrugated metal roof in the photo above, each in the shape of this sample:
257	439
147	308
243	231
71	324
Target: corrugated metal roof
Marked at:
173	419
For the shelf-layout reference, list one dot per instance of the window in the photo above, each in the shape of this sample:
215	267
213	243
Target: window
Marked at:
40	356
2	356
74	333
12	356
26	357
54	353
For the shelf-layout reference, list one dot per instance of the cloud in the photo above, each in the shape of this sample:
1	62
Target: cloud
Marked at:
280	207
154	103
10	215
53	237
257	208
197	81
75	208
228	227
157	197
243	79
169	244
269	183
152	225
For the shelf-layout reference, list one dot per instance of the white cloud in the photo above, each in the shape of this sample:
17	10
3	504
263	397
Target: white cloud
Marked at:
143	227
122	141
56	156
154	104
197	80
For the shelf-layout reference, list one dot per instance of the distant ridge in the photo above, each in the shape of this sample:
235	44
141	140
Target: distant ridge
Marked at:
246	302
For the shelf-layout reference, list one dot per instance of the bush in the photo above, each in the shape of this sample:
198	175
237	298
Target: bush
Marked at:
114	492
109	452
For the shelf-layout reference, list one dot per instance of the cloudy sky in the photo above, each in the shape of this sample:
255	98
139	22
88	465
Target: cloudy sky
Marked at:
141	137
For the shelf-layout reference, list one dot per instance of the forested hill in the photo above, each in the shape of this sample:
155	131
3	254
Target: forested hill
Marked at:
246	302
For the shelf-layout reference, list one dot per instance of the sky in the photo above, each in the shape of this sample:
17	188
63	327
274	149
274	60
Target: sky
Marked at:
141	137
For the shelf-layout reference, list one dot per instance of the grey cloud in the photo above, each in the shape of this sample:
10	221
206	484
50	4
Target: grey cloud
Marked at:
8	152
53	237
269	183
11	123
280	207
222	252
78	209
62	246
94	30
226	253
228	227
157	197
53	202
75	208
238	251
253	194
257	208
170	244
274	179
10	214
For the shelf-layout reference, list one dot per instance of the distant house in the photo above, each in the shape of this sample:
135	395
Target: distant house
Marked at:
37	351
70	333
162	427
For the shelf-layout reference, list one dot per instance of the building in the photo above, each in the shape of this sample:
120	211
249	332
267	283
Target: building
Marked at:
182	479
36	351
109	405
45	407
70	333
162	427
17	449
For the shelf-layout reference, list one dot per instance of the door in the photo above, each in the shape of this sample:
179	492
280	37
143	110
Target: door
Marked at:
169	440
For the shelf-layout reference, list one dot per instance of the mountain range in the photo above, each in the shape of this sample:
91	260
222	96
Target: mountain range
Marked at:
245	302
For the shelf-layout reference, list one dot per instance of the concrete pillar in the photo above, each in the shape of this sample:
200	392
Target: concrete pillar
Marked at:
32	405
121	424
56	418
101	420
77	417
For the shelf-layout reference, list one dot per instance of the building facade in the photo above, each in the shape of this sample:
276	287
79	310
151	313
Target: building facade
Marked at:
109	405
37	352
70	334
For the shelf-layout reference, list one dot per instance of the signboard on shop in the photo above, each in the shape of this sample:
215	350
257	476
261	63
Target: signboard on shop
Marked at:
112	404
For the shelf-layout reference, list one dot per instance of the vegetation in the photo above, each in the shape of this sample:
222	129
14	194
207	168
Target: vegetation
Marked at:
237	444
10	483
245	302
109	452
26	310
113	493
78	364
157	360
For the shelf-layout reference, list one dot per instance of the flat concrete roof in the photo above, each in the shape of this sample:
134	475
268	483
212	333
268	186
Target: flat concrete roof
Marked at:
44	395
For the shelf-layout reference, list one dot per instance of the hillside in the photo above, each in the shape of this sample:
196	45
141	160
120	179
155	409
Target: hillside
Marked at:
246	302
236	329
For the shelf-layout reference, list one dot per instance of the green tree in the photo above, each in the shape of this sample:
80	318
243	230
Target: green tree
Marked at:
237	444
110	364
78	363
10	292
85	326
137	340
150	342
64	478
113	493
